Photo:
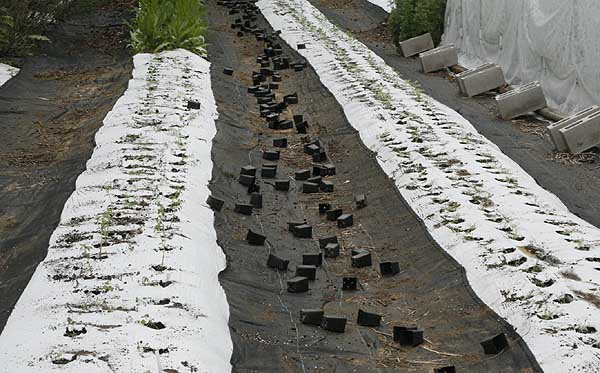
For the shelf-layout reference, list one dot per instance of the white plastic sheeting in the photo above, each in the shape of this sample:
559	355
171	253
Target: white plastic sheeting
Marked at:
553	41
525	254
151	302
7	72
386	5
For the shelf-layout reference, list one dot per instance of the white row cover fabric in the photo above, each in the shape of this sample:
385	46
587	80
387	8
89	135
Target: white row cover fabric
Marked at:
151	300
7	72
553	41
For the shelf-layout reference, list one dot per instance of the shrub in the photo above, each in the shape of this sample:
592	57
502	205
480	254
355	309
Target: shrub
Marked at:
22	22
412	18
168	24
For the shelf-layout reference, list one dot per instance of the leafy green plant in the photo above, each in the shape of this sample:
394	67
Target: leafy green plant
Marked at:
168	24
6	26
23	23
412	18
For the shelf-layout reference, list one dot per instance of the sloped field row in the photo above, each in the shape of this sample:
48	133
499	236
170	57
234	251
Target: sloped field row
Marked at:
526	255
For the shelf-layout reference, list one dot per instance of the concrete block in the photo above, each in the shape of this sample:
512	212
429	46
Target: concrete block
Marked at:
369	319
416	45
494	346
311	317
408	336
520	101
583	134
481	79
439	58
308	271
334	324
554	129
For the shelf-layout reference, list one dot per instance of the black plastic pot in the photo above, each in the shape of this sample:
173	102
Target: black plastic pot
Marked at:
215	203
244	208
349	283
345	221
297	285
369	319
308	271
361	260
254	238
334	324
332	250
495	345
276	262
311	317
315	259
408	336
389	268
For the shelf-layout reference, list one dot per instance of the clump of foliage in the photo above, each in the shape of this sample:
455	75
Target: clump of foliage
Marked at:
6	25
23	22
168	24
412	18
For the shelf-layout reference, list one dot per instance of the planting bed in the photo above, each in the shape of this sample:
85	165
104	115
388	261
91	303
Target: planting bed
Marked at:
575	180
130	280
525	254
265	322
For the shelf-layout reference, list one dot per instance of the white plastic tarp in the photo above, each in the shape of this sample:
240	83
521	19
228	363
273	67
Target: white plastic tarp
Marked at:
553	41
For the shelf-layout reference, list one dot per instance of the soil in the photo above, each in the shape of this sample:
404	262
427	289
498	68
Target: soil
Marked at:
430	291
49	114
574	179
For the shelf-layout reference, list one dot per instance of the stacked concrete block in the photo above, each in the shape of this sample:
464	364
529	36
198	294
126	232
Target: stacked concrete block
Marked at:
439	58
555	130
521	100
481	79
416	45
